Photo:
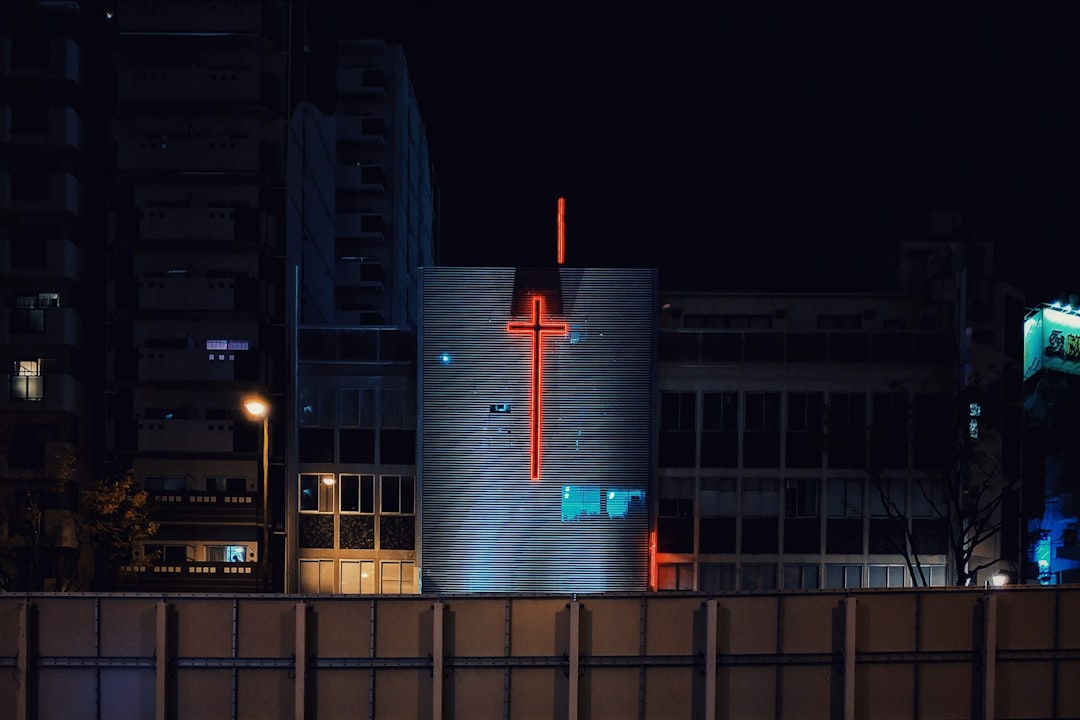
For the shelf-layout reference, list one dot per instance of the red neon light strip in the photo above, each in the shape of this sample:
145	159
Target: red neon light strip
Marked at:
537	329
561	230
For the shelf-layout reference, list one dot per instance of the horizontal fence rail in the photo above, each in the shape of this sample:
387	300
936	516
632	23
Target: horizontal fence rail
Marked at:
927	653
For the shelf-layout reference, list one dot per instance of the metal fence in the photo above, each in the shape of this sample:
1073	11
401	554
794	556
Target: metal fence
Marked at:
936	653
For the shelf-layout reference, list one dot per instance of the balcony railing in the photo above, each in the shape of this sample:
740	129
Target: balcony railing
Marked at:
195	506
185	435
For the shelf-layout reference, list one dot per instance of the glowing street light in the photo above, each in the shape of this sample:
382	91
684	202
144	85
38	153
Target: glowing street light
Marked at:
257	409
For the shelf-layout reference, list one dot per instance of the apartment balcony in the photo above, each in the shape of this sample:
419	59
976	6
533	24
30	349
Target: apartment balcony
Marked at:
33	327
156	223
367	82
41	393
194	17
185	436
191	577
197	85
191	506
52	193
51	258
223	155
369	275
187	293
368	178
361	226
363	130
180	364
59	63
61	129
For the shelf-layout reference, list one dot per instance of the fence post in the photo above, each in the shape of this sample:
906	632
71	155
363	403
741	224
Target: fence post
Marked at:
161	661
437	659
710	659
849	657
989	655
300	667
575	659
22	699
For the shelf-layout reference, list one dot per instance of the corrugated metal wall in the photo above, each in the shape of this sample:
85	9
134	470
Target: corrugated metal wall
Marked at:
937	653
583	526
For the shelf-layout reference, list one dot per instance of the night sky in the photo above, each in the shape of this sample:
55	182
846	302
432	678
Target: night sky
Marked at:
756	148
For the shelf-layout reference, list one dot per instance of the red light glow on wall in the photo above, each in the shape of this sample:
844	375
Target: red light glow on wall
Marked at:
536	328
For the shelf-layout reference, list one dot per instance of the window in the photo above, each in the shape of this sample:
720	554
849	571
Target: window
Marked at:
623	501
845	498
579	501
398	578
228	553
846	426
760	498
801	577
165	484
717	577
30	186
315	407
358	407
316	576
718	497
889	430
761	425
26	380
227	345
801	497
357	493
317	493
886	576
396	495
888	497
358	577
28	51
758	577
839	322
843	576
720	430
675	524
677	426
676	576
804	441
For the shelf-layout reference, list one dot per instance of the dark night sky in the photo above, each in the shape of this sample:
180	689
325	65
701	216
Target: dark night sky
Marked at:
751	148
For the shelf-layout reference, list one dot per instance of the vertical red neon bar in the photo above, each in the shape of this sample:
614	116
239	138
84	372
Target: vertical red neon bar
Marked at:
536	329
561	230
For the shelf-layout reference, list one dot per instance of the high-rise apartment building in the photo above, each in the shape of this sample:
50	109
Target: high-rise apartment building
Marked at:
49	267
197	279
352	509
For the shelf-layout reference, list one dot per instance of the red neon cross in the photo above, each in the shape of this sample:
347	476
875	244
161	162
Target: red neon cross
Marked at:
537	329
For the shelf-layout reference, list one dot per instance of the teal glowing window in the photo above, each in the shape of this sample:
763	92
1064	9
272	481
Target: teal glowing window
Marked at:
580	501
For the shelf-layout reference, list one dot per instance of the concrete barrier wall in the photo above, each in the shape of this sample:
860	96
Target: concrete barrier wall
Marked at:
938	653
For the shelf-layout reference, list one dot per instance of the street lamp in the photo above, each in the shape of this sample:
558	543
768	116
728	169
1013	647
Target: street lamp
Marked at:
257	409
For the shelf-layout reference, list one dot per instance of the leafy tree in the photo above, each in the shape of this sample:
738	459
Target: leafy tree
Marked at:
58	531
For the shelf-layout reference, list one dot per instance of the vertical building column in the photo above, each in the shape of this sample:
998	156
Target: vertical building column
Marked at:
22	670
575	659
710	659
438	610
161	661
989	655
300	669
849	657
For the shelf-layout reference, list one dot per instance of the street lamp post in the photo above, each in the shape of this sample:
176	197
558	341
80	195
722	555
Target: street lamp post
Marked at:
258	410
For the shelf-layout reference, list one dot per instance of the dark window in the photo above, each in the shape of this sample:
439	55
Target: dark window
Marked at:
357	493
934	434
675	524
720	430
397	447
397	495
357	445
717	577
677	411
801	497
29	116
845	423
676	576
801	577
30	186
758	577
889	430
805	440
316	444
761	430
27	448
843	576
28	51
